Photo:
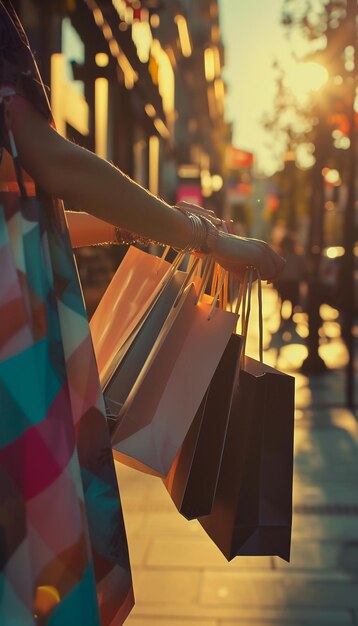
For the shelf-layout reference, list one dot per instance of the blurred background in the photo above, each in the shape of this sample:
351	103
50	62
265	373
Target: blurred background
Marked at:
249	108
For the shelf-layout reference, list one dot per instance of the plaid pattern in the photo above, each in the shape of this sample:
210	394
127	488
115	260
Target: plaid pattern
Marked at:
63	548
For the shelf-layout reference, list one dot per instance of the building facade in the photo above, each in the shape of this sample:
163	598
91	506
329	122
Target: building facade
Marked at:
140	83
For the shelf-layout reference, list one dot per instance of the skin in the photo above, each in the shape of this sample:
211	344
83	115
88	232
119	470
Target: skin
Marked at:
95	186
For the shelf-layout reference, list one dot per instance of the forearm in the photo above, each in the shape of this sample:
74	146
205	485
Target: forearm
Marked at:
87	230
94	185
89	183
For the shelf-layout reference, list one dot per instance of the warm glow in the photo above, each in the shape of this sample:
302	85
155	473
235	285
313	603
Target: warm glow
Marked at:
215	33
101	116
46	599
334	251
217	182
107	31
217	62
306	77
210	183
128	15
155	20
120	6
331	176
290	155
130	76
68	106
154	164
161	127
166	79
205	178
142	38
98	16
188	171
114	48
101	59
184	36
219	89
150	110
328	313
209	60
212	101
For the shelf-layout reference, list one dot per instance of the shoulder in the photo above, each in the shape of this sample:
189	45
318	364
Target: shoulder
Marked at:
18	69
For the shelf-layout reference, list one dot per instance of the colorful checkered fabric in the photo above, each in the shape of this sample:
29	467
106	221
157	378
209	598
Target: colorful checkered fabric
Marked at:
63	549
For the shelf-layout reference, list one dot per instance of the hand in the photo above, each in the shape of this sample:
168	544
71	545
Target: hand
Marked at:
235	254
199	210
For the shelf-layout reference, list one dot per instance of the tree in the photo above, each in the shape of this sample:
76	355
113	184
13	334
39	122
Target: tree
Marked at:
328	30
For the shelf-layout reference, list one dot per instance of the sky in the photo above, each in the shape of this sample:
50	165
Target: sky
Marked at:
253	38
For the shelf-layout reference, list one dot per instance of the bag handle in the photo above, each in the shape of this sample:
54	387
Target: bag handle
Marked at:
208	269
218	290
246	308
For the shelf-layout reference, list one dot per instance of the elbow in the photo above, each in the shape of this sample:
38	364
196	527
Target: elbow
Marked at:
52	175
48	164
49	180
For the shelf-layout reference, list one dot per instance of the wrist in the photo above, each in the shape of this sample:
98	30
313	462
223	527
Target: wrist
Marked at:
204	234
221	243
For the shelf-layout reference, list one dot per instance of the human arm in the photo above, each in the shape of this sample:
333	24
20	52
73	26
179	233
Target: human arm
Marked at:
87	230
89	183
92	184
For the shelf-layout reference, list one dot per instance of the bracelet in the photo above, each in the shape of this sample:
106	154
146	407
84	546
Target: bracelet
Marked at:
204	235
125	237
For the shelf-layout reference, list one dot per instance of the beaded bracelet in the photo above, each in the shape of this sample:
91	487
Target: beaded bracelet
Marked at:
204	234
125	237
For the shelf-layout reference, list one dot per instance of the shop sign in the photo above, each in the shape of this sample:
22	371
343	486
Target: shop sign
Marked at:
189	193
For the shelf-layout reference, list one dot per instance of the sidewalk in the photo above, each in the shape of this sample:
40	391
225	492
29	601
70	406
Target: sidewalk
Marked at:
180	577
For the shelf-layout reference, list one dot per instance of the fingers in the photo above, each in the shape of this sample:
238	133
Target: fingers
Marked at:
199	210
269	263
237	253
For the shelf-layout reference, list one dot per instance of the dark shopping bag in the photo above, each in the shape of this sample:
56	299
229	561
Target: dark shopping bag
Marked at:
252	510
192	479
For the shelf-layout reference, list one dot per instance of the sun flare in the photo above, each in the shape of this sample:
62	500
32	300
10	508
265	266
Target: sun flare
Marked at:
305	77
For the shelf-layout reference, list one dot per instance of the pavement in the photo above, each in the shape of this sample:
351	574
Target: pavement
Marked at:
181	578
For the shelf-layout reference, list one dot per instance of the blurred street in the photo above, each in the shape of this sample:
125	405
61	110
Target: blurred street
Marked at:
181	578
250	110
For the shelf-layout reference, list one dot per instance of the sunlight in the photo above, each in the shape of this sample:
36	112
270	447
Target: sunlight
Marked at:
286	309
292	356
331	330
305	77
302	330
334	354
328	313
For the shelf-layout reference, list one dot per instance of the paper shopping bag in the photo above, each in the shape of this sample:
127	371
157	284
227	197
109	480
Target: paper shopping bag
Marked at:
252	511
192	479
130	291
166	396
126	373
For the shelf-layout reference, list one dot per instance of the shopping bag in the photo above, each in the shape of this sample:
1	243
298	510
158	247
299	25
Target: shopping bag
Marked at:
192	479
126	373
252	510
166	396
131	290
